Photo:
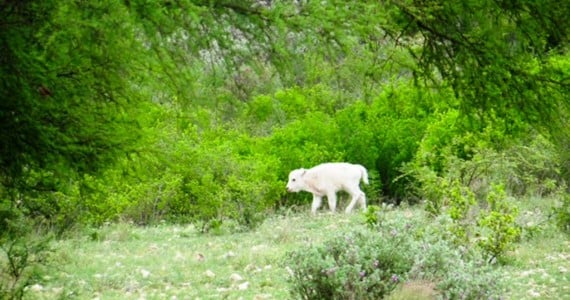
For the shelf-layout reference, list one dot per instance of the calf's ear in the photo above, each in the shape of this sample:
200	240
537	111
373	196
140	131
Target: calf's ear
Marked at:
304	171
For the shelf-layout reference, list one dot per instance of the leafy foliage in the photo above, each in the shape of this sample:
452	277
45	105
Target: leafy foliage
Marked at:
369	262
562	213
474	192
498	56
499	230
23	257
356	265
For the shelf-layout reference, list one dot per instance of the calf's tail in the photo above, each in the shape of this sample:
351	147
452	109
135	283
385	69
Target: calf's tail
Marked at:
364	174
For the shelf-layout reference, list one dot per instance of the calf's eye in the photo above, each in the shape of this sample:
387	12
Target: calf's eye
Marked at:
293	179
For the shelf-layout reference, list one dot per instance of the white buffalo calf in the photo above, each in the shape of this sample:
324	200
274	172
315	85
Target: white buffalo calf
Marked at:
326	180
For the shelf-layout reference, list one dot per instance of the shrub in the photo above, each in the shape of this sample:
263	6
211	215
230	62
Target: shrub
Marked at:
384	134
461	201
372	216
206	176
380	135
562	213
23	257
368	262
470	280
219	179
526	167
356	265
497	227
457	272
469	177
480	215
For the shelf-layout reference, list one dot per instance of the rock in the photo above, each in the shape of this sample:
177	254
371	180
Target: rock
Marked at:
236	277
145	273
37	288
230	254
243	286
209	274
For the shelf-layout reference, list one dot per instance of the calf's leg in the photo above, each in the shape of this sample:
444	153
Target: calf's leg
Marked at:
316	204
331	197
356	196
362	201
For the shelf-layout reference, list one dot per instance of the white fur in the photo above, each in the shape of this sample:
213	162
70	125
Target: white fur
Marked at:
326	180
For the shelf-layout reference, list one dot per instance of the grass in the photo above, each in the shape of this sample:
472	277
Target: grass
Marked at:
123	261
539	267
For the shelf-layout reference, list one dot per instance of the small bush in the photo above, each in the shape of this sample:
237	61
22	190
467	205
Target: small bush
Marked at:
473	184
23	257
498	229
356	265
372	216
470	279
562	213
371	261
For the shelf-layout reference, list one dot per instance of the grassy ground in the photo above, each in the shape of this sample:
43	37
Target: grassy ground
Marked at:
122	261
539	267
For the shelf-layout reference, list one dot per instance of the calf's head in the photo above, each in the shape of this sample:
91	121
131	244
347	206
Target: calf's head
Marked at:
296	183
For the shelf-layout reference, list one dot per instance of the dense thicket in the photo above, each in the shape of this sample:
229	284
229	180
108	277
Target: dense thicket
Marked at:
197	110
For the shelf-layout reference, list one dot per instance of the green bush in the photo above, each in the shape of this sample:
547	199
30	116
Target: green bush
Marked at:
472	192
370	261
460	205
562	213
24	254
356	265
497	225
217	179
525	162
181	172
385	134
457	272
372	216
381	135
